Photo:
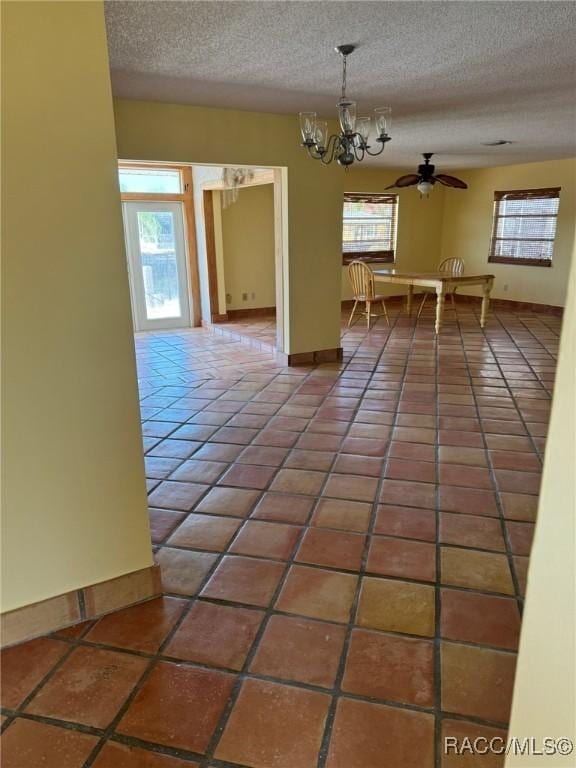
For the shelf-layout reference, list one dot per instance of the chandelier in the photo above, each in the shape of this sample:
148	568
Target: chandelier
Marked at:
352	141
233	179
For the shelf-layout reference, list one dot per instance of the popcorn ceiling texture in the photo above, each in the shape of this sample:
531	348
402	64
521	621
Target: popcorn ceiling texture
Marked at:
455	73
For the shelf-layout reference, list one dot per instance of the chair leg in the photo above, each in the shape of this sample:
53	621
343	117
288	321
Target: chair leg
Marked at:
422	305
352	313
368	305
385	312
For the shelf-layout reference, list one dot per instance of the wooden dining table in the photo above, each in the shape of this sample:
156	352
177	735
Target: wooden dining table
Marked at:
442	282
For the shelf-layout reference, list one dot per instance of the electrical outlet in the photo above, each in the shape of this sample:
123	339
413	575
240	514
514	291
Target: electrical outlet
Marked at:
505	287
244	297
228	298
252	295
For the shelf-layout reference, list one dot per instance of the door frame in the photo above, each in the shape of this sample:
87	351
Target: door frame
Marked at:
277	177
137	284
187	200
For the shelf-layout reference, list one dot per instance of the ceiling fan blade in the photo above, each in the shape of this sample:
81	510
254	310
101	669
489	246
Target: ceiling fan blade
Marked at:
450	181
405	181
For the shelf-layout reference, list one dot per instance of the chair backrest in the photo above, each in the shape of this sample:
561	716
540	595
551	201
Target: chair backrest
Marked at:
455	266
361	279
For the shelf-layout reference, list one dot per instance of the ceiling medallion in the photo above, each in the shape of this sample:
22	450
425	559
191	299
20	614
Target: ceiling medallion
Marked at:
352	141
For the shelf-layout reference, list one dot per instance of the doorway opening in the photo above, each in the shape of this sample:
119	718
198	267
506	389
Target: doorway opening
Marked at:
244	256
158	214
201	253
157	256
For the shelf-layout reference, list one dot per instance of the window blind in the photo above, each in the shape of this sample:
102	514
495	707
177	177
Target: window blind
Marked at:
524	226
369	227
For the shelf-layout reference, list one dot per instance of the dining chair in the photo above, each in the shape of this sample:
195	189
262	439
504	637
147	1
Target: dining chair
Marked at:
362	281
456	267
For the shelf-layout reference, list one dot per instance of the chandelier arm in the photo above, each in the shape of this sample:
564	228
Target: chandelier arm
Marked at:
358	154
331	146
314	154
379	152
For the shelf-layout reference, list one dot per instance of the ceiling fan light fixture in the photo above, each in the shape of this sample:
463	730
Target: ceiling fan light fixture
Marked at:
426	177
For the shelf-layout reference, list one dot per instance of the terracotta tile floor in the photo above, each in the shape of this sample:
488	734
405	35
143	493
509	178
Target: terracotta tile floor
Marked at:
344	551
258	332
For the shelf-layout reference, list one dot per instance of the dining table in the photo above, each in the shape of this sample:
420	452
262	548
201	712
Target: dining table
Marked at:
442	283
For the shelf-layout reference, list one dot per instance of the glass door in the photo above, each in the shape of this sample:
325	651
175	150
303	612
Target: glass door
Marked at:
157	264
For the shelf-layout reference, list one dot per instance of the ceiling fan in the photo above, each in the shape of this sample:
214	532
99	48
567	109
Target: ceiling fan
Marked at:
426	178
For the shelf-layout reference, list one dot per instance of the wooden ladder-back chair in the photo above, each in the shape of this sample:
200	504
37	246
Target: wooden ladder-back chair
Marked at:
362	281
456	267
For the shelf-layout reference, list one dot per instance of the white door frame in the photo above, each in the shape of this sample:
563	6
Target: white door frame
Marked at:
137	290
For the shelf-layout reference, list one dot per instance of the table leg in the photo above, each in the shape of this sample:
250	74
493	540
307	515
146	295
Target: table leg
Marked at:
486	290
440	296
409	300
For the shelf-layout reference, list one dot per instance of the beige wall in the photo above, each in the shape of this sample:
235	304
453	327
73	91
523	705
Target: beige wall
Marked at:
467	228
544	692
419	233
312	274
448	223
459	223
73	492
248	248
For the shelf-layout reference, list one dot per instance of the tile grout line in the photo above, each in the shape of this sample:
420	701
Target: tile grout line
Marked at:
194	599
438	562
331	715
511	392
495	490
217	735
361	360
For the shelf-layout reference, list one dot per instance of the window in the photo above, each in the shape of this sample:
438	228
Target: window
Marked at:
150	181
369	230
524	226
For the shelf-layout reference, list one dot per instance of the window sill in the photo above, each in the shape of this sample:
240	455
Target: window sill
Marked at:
520	262
368	258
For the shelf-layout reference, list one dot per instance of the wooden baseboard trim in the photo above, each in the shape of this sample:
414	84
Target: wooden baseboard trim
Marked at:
521	306
240	314
310	358
71	608
220	318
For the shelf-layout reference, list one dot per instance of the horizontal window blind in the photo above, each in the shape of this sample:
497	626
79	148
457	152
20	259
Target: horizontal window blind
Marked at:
524	226
369	227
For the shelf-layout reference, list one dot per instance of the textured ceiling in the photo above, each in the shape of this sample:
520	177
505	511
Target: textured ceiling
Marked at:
456	74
